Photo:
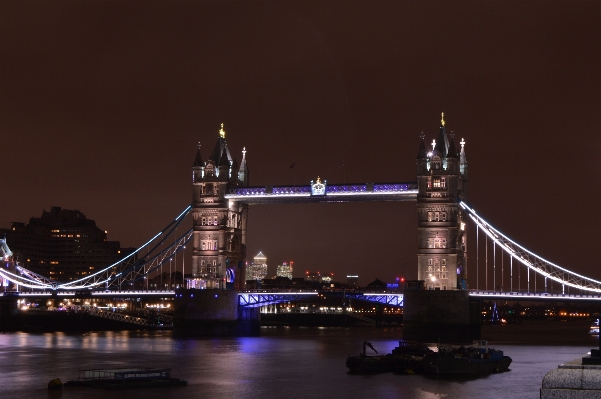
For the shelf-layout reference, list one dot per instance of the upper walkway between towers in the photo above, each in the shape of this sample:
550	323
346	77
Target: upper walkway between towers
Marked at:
322	192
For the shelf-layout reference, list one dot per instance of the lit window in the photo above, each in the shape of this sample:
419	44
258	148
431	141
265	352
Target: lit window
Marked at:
436	182
441	243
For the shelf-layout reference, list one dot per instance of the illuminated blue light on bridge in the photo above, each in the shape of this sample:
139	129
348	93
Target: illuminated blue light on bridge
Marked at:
383	298
369	191
258	299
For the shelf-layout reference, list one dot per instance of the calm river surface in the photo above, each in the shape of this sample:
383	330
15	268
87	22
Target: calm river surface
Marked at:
282	363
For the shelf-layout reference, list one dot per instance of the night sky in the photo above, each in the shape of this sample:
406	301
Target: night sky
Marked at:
102	105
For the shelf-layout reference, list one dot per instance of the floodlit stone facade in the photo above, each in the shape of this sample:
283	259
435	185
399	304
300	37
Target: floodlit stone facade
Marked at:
442	185
219	254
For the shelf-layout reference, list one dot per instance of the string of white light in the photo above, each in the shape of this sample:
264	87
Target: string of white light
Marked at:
533	261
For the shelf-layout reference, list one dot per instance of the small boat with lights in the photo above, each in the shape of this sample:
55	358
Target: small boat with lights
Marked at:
126	379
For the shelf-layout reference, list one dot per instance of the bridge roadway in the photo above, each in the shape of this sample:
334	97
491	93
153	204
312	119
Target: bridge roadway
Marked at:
249	298
255	298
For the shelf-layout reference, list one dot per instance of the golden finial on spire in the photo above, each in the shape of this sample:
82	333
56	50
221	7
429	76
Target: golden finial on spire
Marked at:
442	118
222	132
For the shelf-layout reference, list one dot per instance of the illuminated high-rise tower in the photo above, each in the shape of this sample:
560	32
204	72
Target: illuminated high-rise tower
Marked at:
442	184
285	270
258	269
219	255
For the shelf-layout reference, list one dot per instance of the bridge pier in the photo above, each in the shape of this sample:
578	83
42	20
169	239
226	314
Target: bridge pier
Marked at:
441	316
213	313
8	311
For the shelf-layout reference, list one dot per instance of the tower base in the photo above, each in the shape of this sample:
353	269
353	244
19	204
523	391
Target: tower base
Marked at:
213	313
440	316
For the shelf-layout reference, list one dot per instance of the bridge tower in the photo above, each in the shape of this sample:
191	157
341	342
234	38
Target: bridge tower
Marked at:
442	184
219	242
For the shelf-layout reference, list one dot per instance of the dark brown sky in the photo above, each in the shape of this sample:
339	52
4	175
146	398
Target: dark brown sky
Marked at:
102	104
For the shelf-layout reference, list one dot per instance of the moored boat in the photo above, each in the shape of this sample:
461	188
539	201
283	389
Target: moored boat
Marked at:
407	358
476	359
126	379
364	364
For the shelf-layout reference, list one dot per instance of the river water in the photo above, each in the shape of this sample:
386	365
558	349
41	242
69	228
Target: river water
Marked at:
282	363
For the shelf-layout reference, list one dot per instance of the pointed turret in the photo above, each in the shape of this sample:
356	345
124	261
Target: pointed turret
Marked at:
422	157
442	143
198	160
452	150
421	153
243	171
452	160
463	160
224	166
234	171
220	146
198	166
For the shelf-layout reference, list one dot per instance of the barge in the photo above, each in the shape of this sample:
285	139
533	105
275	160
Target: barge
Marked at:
126	378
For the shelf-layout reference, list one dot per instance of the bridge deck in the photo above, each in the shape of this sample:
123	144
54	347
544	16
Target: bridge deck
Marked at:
262	296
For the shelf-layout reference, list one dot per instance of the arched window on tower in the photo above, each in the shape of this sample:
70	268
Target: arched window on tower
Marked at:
436	163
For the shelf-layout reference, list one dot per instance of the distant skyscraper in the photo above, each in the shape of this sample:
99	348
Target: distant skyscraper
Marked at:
285	270
258	269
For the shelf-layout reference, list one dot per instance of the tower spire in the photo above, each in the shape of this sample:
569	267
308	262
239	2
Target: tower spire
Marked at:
441	144
198	159
243	170
421	153
462	159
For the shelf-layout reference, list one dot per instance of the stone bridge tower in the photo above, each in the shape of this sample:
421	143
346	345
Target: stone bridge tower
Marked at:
442	184
219	249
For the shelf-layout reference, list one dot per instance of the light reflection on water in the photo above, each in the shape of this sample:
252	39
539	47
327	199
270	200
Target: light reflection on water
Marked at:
282	363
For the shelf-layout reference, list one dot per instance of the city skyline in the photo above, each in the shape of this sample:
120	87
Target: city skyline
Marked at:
102	106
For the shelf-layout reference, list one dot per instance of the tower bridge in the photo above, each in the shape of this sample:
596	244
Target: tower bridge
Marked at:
219	212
